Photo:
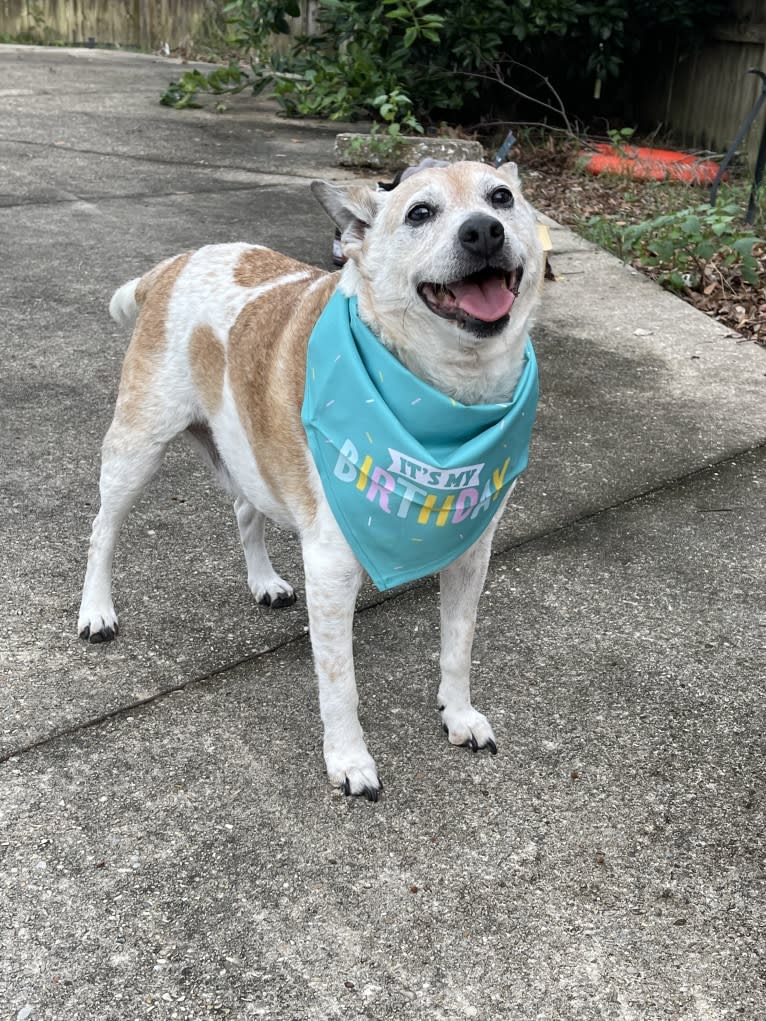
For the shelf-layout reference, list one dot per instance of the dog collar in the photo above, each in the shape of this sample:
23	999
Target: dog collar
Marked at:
413	477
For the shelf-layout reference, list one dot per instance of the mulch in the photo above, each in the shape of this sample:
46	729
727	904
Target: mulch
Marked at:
555	183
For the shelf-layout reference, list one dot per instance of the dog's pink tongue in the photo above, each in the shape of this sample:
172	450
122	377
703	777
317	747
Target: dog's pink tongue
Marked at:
488	301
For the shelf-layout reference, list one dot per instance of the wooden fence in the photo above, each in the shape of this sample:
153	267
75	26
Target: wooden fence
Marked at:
140	24
703	100
143	24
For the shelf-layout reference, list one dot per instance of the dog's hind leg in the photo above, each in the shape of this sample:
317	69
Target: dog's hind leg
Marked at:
264	582
129	459
155	402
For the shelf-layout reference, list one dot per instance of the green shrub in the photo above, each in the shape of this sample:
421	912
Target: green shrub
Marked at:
366	49
686	250
447	55
251	26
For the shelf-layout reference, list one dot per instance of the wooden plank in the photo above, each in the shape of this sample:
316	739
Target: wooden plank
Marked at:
144	23
740	33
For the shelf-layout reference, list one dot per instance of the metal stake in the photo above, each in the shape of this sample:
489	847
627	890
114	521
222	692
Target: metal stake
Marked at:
760	162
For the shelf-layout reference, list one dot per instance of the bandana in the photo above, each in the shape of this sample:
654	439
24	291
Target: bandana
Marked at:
413	477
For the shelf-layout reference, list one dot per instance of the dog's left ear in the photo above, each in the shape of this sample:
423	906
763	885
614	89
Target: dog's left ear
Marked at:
510	172
353	208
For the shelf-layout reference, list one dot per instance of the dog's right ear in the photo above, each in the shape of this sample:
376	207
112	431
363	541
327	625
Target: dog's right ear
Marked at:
510	172
352	207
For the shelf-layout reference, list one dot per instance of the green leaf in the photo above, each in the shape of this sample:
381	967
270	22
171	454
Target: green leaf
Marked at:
691	225
705	250
720	227
750	274
744	246
676	281
663	249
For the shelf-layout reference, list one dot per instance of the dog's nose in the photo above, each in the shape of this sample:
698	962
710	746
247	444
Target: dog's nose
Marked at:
481	235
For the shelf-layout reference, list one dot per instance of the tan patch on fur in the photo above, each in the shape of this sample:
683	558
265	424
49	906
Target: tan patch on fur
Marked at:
462	183
458	182
267	373
148	340
260	265
208	364
149	278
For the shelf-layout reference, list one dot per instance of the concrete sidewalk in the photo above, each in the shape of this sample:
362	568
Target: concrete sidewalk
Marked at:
169	846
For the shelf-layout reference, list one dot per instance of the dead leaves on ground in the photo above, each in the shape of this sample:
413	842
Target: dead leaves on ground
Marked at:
555	184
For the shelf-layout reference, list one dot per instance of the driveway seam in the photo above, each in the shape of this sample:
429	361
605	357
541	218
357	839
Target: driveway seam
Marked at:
100	199
666	486
152	160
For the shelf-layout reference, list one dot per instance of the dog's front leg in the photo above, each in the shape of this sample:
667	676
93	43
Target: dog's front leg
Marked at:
333	576
460	588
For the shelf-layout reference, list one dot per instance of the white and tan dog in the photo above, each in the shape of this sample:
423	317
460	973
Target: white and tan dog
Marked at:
219	354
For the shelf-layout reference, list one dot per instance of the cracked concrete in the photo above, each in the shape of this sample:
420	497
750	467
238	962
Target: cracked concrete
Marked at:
169	846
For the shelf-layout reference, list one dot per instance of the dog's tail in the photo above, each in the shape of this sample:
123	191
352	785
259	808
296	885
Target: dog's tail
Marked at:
127	300
123	307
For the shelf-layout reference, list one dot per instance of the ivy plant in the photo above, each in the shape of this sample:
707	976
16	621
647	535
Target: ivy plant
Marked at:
686	250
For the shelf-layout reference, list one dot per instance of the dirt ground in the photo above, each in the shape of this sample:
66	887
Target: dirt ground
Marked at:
555	181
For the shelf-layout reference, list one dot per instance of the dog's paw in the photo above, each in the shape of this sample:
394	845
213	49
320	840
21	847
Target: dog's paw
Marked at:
95	627
273	592
468	728
354	773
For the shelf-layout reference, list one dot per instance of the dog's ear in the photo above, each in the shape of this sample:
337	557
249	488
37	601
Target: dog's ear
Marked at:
510	172
353	207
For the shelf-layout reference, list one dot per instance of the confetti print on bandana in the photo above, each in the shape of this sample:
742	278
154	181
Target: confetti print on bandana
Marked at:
377	550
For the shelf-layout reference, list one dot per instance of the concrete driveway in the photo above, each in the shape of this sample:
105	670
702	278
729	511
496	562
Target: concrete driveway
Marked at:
169	845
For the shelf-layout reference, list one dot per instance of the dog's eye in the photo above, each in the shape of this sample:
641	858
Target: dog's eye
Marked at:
419	214
502	198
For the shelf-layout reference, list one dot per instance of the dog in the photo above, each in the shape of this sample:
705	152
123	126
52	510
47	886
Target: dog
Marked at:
444	274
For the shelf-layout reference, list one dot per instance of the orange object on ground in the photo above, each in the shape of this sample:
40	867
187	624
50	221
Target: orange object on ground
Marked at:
650	164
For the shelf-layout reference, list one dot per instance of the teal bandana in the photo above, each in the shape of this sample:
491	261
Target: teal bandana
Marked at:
412	476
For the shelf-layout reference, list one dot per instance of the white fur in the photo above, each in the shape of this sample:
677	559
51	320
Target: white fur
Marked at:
388	259
123	307
390	264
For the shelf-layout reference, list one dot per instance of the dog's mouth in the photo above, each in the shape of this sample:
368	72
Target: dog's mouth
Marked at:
478	302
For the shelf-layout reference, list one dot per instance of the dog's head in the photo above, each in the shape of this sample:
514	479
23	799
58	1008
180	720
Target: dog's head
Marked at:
447	262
